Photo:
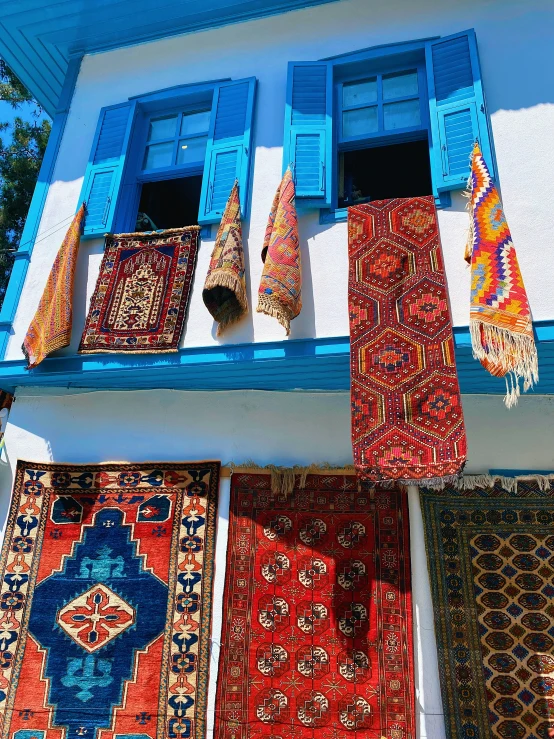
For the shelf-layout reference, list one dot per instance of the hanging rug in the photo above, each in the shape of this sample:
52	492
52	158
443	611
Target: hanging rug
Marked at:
407	419
106	600
142	293
491	564
317	624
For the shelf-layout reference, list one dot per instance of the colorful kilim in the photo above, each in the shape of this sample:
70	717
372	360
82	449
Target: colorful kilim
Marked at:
141	297
500	316
407	420
105	603
317	623
280	293
50	328
224	291
491	561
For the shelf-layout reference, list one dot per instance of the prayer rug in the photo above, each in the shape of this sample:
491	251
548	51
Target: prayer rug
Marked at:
105	602
50	328
491	562
280	292
317	623
141	297
407	419
224	291
500	317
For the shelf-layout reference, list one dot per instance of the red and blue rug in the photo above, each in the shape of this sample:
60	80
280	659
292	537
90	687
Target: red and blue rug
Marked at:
105	602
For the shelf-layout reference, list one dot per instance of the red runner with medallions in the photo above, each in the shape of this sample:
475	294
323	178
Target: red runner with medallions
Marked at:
317	623
407	420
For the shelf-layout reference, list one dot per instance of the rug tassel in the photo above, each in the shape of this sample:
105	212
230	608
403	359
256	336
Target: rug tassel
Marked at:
235	285
274	309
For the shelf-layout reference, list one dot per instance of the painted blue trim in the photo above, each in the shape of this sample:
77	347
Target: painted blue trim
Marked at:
177	91
376	52
37	39
303	364
34	216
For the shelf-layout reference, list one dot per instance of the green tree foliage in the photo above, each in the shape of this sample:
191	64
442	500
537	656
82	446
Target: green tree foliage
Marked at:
22	145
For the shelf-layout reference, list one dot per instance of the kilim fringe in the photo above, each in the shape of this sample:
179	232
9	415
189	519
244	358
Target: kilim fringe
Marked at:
166	232
234	283
271	306
285	479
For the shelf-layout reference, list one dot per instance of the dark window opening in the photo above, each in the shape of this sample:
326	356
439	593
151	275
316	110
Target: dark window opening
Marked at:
169	204
382	172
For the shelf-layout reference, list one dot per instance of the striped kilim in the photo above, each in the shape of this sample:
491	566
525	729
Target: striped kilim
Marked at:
500	316
224	291
50	328
280	293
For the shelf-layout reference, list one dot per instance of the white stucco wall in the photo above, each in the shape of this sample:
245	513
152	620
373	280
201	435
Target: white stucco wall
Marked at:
517	58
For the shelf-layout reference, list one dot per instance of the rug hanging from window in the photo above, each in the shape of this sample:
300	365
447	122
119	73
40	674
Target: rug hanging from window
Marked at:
142	294
317	622
106	601
500	317
280	291
407	420
491	562
50	328
224	291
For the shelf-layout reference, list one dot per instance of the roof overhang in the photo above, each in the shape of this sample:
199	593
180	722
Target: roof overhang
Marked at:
38	37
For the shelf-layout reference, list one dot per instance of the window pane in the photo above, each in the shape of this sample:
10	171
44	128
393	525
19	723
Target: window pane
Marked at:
158	155
399	85
195	123
162	128
359	122
402	115
358	93
191	150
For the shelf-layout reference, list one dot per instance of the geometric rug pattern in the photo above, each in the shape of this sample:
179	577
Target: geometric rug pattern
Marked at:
105	601
317	622
491	563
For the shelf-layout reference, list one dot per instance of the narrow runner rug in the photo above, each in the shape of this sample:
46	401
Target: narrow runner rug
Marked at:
142	293
224	291
491	562
50	328
106	600
500	317
407	419
280	292
317	622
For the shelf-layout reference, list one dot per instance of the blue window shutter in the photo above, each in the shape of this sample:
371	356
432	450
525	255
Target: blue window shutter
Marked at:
308	140
229	149
457	109
105	167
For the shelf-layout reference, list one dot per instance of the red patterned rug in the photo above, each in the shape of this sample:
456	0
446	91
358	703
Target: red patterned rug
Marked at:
317	626
407	420
142	293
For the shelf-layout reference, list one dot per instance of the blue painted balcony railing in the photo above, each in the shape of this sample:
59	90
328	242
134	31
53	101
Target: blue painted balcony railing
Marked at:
304	364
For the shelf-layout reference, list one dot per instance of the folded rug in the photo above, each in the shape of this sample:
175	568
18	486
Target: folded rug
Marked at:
500	317
142	294
224	291
491	555
280	293
407	420
107	574
50	328
317	622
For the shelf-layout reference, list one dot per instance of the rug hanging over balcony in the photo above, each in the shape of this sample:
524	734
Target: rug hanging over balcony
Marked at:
407	420
142	294
317	623
106	600
500	317
50	328
224	291
491	562
280	291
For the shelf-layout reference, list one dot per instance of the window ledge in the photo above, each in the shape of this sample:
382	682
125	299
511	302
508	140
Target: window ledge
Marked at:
340	215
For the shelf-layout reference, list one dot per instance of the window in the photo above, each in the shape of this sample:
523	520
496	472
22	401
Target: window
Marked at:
392	121
170	158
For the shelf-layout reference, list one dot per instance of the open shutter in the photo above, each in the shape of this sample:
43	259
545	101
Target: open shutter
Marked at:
457	109
229	149
105	168
308	140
